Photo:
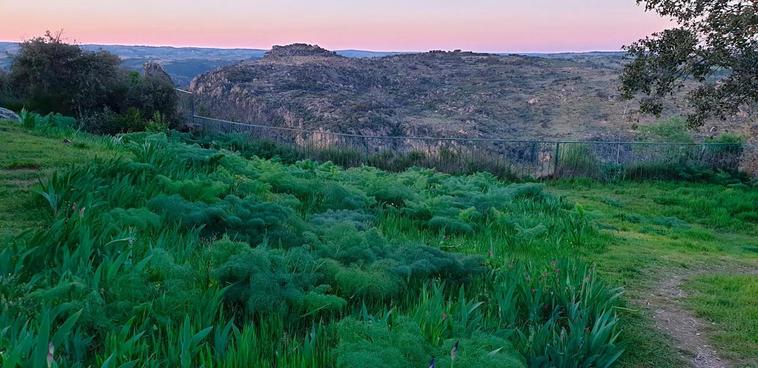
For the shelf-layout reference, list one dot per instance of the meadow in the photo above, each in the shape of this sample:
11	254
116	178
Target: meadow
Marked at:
146	249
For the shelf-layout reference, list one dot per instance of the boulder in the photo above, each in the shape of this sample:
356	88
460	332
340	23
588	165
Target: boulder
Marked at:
6	114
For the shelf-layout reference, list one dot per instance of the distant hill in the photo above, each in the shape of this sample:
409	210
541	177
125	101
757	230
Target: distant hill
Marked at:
181	63
6	50
560	96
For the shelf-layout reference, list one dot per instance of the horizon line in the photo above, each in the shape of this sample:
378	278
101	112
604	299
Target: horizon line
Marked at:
253	48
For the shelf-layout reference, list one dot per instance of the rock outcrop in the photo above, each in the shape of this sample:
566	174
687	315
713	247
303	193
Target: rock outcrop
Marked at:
6	114
298	49
154	70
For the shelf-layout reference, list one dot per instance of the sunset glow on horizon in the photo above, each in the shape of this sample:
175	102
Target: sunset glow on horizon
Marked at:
392	25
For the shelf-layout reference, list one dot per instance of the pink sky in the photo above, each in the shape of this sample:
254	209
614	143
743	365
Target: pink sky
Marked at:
397	25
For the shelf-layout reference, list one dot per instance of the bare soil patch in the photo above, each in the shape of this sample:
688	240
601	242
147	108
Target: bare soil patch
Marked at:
666	305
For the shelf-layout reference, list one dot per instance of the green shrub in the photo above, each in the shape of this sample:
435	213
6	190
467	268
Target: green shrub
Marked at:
439	331
246	219
52	76
449	225
674	130
329	219
47	75
194	190
578	160
390	193
555	310
336	196
375	344
259	281
158	123
27	119
108	121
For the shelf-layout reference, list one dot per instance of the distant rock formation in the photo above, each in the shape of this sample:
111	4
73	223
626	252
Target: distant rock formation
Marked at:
155	70
298	49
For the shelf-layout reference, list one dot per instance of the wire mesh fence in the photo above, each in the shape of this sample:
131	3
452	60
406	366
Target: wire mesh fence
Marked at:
513	159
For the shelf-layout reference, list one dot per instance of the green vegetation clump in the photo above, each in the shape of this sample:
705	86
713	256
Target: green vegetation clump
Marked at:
48	75
674	130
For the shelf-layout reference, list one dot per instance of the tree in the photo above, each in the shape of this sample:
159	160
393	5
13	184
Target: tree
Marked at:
715	43
49	75
52	76
150	94
3	85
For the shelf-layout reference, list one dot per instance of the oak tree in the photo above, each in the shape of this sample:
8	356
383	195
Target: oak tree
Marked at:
714	44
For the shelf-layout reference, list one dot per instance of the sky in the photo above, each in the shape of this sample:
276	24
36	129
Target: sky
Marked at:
382	25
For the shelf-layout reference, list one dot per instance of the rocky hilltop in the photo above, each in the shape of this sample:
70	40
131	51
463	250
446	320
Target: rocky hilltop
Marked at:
298	49
436	93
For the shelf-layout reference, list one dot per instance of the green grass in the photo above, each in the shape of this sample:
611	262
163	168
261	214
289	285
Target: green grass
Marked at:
25	158
150	251
659	228
729	302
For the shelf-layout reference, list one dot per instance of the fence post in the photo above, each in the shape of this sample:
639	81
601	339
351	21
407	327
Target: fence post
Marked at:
557	153
192	108
618	153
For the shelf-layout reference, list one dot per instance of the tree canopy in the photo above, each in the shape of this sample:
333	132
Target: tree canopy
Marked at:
715	44
50	75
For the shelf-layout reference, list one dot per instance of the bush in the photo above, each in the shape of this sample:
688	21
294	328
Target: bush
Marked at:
27	119
565	315
158	123
108	121
578	160
52	76
151	95
438	332
49	75
674	130
5	95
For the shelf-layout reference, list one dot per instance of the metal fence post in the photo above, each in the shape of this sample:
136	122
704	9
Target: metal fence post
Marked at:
618	153
192	108
557	153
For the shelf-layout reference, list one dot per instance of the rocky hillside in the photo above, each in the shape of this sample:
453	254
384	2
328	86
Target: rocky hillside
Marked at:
435	93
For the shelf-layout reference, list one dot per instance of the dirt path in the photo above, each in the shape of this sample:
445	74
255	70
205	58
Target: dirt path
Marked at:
666	305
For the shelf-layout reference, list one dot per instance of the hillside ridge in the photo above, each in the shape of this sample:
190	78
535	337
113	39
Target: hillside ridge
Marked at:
437	93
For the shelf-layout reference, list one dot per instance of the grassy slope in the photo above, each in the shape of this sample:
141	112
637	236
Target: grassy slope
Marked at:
24	159
664	228
647	239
